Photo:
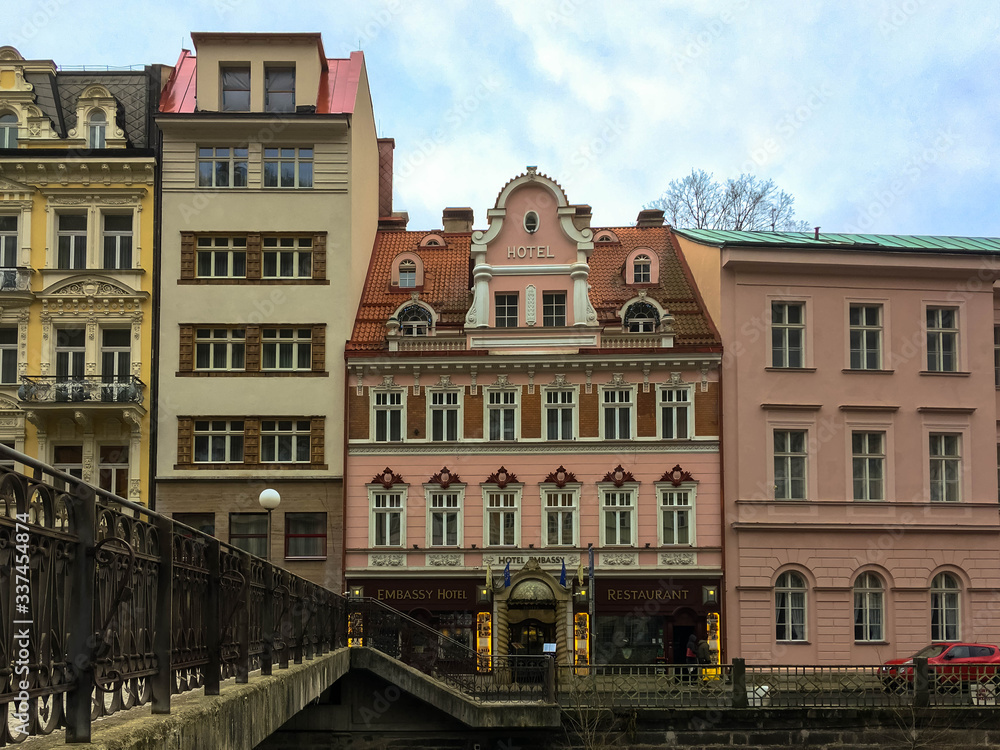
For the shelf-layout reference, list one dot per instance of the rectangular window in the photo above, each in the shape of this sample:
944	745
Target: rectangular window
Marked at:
279	89
501	518
619	516
388	416
285	440
116	368
444	415
560	518
446	519
946	467
222	167
113	469
286	348
203	522
8	241
305	535
790	464
559	406
248	532
868	465
72	241
288	167
506	311
287	258
68	458
676	516
502	407
387	519
617	413
865	323
222	257
117	242
675	413
218	441
70	352
787	334
8	355
942	339
220	349
236	88
554	309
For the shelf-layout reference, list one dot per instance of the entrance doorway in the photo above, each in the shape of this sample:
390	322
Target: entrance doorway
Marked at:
528	637
679	643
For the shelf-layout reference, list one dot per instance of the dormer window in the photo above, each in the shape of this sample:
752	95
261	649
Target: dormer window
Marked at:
407	274
641	269
97	129
8	131
414	320
279	89
531	222
236	89
641	317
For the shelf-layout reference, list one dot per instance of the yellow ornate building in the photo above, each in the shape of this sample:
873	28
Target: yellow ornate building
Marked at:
77	171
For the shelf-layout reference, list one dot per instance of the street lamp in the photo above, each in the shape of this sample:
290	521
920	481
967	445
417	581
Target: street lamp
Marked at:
269	500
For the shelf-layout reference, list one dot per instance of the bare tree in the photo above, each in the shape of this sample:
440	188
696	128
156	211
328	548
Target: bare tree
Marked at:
698	201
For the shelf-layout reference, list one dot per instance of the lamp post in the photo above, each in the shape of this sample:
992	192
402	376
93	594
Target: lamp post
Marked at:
269	500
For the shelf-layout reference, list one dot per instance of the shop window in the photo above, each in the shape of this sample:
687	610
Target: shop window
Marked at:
248	532
945	611
305	536
869	608
628	639
790	607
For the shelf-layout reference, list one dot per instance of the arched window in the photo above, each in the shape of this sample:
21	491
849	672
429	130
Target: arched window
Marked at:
945	600
641	269
641	317
407	274
790	607
869	608
531	222
8	131
414	320
98	127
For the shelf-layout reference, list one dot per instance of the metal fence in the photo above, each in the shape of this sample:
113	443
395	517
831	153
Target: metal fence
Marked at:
106	605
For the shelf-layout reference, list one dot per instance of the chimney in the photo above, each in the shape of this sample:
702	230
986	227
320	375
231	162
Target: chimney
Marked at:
582	217
385	149
816	233
398	220
650	217
457	219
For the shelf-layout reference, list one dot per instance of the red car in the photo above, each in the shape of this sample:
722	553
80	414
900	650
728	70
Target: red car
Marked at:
946	662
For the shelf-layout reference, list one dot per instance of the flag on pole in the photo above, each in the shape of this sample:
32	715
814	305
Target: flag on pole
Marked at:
562	576
506	575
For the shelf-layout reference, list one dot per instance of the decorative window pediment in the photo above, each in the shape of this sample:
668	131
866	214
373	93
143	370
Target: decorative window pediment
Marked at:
97	123
93	287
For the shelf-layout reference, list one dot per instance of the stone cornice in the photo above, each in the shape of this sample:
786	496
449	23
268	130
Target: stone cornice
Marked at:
496	449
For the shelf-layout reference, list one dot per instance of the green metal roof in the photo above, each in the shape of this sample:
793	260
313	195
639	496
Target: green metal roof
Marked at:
905	242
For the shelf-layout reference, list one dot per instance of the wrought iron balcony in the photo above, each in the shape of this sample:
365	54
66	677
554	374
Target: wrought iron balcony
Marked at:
15	279
63	389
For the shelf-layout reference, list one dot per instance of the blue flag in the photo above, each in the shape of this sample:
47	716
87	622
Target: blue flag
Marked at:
562	576
506	575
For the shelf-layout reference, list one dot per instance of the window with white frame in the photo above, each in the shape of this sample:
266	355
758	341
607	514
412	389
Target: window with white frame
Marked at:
444	414
97	129
71	355
117	241
641	317
407	274
116	364
865	330
287	258
220	349
305	536
942	339
287	167
790	454
561	516
222	257
790	607
945	467
676	516
8	130
501	409
8	241
675	413
641	269
945	609
8	354
618	516
554	308
415	320
218	441
69	459
869	608
444	509
285	440
279	88
502	527
617	413
560	406
387	518
236	88
71	241
222	167
788	334
286	348
388	409
868	464
506	310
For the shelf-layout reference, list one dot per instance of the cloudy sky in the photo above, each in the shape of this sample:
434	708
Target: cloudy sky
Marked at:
877	115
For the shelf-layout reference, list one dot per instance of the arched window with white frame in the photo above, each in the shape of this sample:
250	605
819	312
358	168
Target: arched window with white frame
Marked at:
869	608
641	317
97	129
790	607
946	596
641	269
407	274
415	320
8	130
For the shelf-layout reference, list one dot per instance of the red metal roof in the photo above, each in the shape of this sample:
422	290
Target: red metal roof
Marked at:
179	93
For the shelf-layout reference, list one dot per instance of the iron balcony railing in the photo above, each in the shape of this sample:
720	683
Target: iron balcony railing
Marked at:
61	388
15	279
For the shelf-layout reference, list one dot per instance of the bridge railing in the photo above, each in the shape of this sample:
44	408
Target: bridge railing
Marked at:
106	605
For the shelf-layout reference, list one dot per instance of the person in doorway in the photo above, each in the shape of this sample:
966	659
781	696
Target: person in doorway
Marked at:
691	657
704	654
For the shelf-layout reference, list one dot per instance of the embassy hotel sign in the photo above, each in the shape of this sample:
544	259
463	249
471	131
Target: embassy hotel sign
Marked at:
519	558
417	593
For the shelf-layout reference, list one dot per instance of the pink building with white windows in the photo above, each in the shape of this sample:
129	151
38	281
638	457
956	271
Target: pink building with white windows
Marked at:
860	440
